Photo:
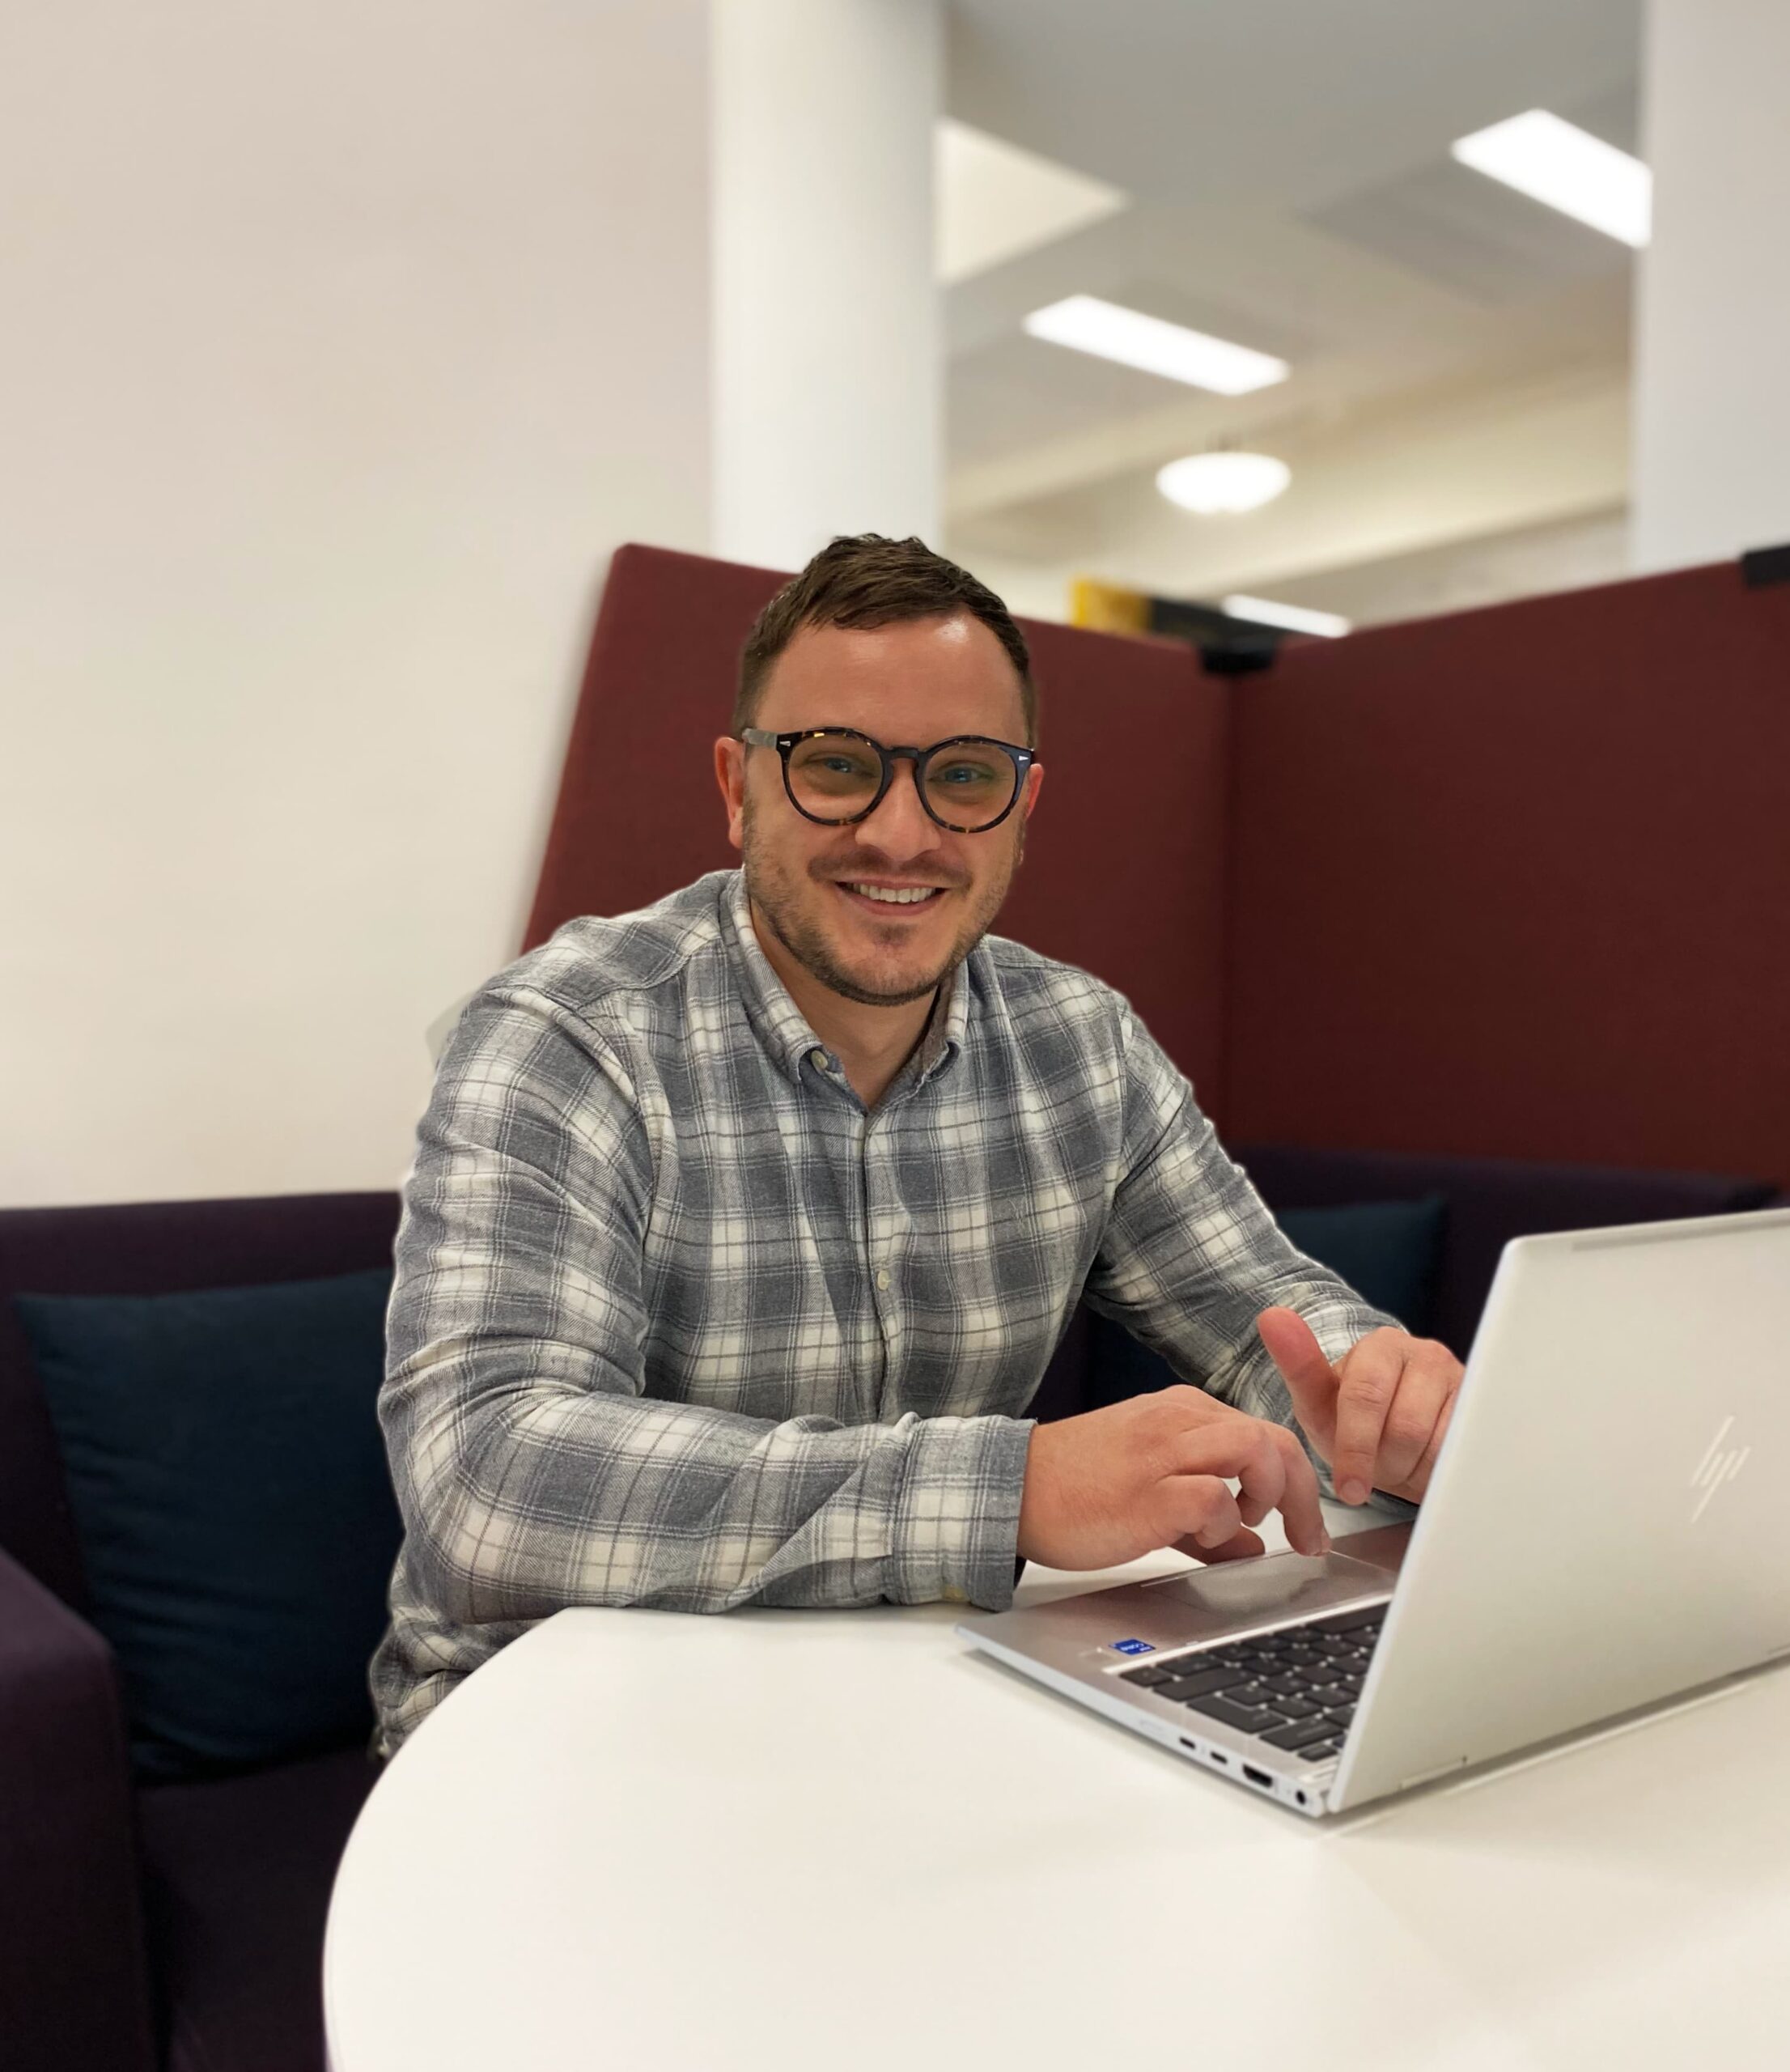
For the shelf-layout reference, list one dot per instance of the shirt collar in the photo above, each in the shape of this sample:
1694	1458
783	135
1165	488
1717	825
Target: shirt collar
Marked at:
783	1029
781	1025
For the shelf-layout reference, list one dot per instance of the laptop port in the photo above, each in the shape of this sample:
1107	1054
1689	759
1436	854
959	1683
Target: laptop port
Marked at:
1258	1776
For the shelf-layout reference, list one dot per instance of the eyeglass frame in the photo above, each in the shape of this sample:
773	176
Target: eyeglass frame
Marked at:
1022	759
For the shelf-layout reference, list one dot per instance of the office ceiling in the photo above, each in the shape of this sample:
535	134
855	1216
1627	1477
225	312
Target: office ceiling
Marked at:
1291	189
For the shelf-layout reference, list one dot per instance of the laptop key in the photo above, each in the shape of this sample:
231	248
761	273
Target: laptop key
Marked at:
1301	1731
1342	1715
1249	1719
1300	1708
1185	1687
1147	1679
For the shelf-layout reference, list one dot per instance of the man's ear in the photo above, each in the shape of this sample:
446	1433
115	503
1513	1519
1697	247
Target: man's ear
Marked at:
730	774
1034	783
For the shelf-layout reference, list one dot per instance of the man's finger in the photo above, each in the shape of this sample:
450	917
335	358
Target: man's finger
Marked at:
1371	1376
1311	1380
1408	1437
1274	1474
1238	1547
1419	1482
1269	1468
1301	1510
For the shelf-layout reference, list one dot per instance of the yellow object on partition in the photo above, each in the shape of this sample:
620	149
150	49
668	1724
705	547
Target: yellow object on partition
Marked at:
1104	608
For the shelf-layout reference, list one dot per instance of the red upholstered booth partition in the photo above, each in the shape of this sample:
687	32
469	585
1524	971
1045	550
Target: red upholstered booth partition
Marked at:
1517	882
1512	882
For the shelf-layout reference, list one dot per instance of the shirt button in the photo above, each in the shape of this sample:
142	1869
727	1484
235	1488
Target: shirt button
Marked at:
882	1276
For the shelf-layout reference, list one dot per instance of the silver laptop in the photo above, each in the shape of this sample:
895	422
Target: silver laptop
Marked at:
1605	1529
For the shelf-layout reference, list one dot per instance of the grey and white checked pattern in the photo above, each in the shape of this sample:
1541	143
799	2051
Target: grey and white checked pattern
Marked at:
678	1323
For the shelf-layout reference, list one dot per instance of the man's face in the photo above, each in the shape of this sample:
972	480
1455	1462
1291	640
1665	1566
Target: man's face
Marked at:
913	683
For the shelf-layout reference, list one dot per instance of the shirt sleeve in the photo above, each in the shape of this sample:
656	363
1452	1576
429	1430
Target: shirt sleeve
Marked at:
532	1470
1191	1256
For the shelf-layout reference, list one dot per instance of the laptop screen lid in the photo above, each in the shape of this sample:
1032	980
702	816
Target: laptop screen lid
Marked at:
1605	1527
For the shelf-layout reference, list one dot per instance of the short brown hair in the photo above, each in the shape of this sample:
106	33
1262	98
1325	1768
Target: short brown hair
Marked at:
864	579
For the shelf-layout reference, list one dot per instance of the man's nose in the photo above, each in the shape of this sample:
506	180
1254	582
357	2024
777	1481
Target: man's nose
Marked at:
901	826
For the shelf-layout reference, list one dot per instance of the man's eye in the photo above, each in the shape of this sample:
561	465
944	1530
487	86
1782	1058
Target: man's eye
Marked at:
961	773
836	771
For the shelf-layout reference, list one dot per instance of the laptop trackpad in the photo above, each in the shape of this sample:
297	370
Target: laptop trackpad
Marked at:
1277	1586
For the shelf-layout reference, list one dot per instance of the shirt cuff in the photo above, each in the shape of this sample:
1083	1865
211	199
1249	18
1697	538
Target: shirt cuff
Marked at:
957	1514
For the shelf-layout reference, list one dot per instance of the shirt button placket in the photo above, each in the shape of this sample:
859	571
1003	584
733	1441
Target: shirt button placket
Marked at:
879	1236
875	1234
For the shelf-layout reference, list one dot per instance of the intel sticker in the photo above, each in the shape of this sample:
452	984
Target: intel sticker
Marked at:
1134	1647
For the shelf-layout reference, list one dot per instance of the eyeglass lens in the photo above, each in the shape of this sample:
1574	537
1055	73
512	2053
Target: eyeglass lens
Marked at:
967	785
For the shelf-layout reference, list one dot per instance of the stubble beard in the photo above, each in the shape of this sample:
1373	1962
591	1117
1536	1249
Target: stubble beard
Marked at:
775	892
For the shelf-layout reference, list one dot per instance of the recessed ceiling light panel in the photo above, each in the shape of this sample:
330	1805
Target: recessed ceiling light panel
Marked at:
1088	324
1567	168
1213	484
1295	618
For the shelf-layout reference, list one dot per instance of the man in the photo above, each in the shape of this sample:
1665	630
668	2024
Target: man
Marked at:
741	1229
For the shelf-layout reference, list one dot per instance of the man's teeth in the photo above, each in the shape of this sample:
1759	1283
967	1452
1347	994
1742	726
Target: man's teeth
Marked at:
905	896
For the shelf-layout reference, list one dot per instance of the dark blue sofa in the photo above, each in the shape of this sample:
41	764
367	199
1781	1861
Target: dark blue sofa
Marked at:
180	1926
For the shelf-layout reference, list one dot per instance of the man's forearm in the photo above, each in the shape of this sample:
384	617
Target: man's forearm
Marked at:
538	1497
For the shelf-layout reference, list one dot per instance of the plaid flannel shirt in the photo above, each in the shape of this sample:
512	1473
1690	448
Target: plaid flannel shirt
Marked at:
677	1321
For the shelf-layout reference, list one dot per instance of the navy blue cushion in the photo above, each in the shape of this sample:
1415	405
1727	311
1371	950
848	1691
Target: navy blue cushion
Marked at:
235	1511
1386	1251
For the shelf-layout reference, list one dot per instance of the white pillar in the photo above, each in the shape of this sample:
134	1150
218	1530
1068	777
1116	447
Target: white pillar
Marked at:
826	366
1712	470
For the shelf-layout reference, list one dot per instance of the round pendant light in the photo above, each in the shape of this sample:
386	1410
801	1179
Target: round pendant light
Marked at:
1213	483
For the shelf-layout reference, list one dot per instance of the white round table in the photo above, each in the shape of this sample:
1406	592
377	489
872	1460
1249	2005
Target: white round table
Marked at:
809	1841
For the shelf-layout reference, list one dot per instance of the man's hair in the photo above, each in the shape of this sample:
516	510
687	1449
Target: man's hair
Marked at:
863	579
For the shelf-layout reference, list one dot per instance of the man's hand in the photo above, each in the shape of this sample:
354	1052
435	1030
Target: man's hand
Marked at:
1114	1483
1379	1418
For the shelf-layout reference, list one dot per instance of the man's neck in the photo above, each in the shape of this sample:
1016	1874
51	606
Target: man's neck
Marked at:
872	1043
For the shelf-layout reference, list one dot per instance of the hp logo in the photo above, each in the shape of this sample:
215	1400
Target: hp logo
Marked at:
1716	1468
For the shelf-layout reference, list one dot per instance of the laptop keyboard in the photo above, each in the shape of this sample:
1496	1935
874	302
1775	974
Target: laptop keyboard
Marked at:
1295	1687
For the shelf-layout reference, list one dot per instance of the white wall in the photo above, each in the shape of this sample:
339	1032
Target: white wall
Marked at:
1712	314
340	344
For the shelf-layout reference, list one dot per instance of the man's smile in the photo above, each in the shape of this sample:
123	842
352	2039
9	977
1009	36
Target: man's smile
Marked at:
888	901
